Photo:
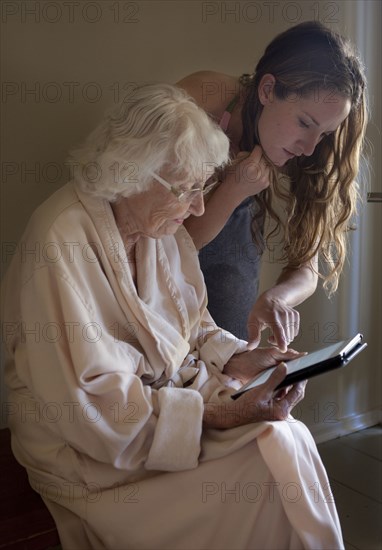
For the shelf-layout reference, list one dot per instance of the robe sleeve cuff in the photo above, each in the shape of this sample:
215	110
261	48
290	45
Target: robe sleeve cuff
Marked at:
220	347
176	444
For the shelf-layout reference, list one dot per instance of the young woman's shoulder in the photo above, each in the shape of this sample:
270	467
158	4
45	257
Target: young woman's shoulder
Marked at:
211	90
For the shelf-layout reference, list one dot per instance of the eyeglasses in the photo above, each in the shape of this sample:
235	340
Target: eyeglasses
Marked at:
190	194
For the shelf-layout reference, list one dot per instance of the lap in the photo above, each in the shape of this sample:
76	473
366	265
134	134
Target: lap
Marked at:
227	503
252	489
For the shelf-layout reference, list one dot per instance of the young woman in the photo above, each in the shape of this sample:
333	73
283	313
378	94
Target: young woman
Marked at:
302	117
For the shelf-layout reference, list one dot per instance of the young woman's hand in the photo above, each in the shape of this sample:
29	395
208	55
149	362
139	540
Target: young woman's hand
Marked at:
248	174
275	314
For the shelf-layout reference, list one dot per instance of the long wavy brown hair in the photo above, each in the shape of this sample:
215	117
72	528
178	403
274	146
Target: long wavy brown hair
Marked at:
307	59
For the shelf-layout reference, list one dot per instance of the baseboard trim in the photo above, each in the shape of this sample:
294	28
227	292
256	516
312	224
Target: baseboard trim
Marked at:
345	426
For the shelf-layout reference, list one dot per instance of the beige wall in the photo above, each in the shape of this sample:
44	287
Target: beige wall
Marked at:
65	61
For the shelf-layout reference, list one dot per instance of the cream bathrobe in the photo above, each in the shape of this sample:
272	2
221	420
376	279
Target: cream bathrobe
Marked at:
108	382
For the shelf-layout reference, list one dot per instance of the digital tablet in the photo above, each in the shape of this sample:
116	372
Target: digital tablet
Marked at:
314	363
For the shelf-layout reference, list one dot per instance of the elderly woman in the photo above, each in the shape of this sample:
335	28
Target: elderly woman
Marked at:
120	381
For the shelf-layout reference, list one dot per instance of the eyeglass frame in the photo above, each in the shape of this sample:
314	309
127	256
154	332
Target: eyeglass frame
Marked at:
184	196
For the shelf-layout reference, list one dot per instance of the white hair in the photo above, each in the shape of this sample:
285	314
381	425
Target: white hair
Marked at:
159	125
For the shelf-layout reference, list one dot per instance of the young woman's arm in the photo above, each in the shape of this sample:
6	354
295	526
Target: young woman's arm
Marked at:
241	180
212	92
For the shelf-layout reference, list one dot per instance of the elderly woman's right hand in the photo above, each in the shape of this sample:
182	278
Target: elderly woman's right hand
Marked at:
248	174
258	404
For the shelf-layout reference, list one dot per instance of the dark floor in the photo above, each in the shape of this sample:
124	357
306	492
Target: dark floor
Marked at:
354	466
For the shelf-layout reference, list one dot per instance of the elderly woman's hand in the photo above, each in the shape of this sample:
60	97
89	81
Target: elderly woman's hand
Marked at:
245	366
259	404
248	174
